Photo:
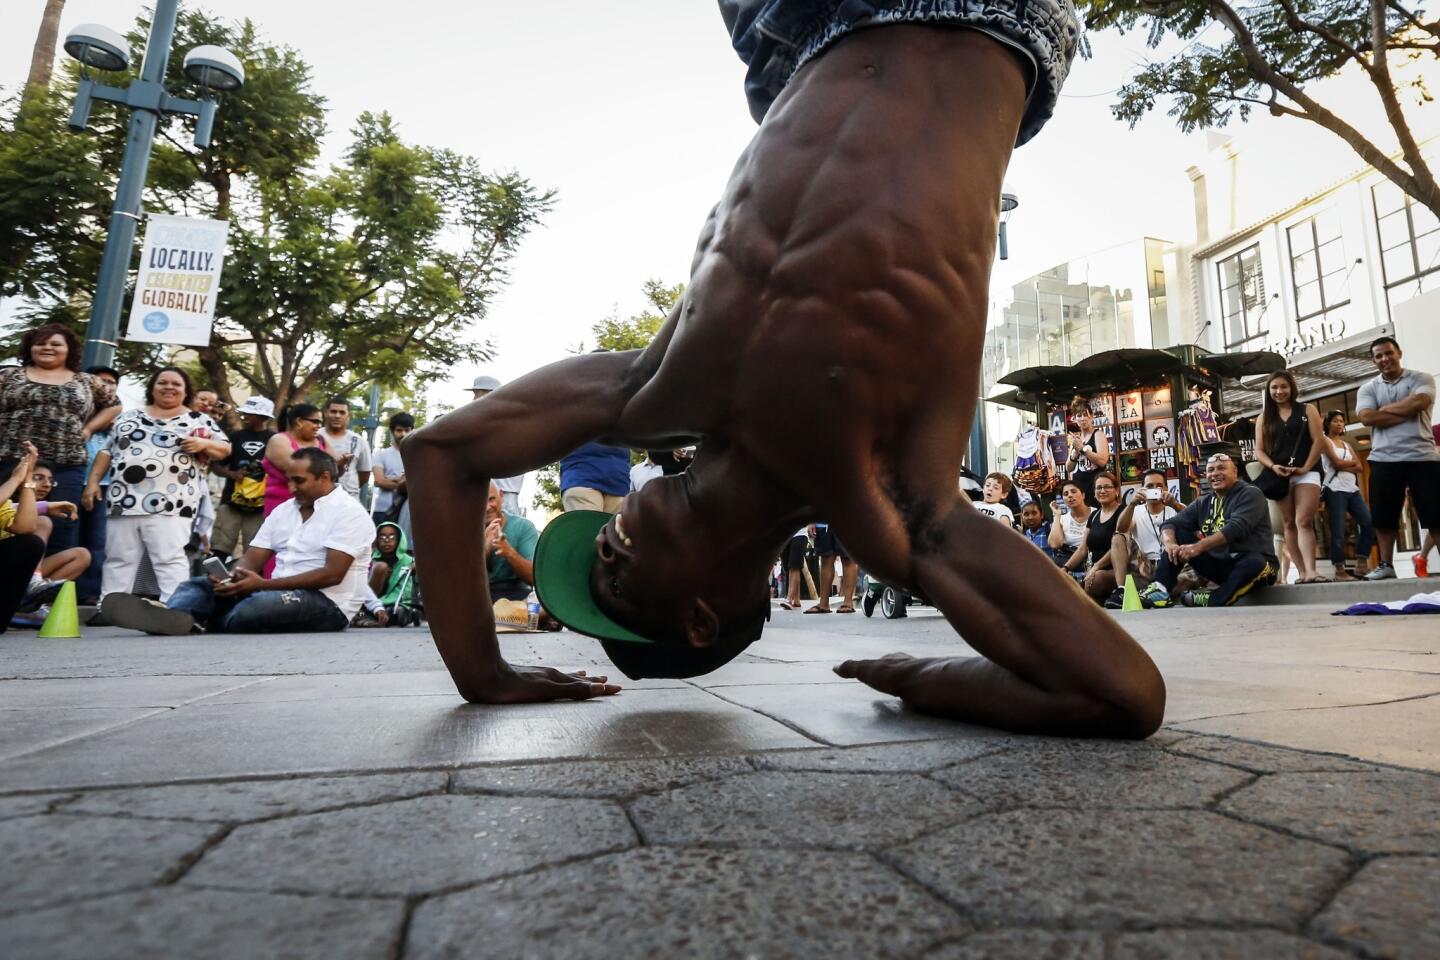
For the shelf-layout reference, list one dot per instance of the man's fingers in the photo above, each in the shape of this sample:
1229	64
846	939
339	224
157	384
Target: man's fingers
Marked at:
583	690
884	675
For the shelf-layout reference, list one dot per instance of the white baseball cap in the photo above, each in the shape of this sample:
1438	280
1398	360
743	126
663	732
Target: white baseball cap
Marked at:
483	382
257	406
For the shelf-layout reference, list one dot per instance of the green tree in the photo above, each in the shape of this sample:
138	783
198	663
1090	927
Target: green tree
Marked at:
1269	54
376	269
614	333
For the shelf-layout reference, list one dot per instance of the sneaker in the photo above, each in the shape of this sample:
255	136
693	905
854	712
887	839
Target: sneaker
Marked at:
33	619
1154	597
1384	571
40	593
1195	598
1422	567
1116	600
148	616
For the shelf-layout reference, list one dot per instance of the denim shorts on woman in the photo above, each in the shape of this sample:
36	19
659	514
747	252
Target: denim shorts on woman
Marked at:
777	37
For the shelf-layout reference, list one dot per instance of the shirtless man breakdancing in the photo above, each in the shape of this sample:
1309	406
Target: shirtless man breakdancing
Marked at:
843	278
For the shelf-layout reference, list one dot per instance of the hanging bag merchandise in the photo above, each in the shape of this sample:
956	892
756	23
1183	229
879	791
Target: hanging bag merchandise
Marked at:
1034	463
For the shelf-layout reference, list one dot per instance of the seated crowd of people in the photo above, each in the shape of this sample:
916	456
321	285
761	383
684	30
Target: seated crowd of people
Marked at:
180	514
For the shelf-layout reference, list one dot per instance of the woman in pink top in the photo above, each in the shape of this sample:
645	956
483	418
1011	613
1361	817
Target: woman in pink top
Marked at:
302	430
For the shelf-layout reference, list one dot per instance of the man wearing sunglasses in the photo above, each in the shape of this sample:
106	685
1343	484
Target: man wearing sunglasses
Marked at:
1224	536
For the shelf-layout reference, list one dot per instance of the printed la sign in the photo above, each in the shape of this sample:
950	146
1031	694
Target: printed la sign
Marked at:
179	280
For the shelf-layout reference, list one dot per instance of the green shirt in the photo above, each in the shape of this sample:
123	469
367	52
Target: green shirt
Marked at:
522	536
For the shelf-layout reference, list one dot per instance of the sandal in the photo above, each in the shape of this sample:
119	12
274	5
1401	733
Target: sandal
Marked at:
818	609
846	609
787	605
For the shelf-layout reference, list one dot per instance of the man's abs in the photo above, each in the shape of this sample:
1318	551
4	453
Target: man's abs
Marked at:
850	253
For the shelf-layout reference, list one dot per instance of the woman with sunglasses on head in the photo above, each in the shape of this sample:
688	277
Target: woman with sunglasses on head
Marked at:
1342	496
1288	441
299	428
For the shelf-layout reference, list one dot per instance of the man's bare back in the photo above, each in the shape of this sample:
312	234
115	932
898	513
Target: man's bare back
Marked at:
843	277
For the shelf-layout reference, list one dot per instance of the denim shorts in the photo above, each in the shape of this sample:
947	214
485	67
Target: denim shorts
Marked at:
777	37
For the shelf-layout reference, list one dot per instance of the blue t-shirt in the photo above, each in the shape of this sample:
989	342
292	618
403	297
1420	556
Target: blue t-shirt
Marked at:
599	467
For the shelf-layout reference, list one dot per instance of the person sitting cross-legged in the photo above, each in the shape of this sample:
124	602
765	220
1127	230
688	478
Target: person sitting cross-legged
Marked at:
509	550
1136	547
320	540
1225	536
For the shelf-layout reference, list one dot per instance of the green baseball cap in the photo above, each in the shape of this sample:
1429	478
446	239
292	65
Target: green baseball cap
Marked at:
564	558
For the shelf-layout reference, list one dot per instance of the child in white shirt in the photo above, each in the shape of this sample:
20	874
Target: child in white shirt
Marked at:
996	489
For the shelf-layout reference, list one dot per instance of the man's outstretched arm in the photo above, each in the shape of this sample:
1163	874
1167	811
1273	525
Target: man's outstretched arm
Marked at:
449	463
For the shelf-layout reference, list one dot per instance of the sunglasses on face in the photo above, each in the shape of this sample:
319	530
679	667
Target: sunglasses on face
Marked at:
315	420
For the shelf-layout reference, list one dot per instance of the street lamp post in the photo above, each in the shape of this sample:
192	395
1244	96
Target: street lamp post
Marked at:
102	48
1008	203
978	455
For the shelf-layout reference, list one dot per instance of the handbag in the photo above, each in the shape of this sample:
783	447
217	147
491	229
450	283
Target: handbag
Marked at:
1274	486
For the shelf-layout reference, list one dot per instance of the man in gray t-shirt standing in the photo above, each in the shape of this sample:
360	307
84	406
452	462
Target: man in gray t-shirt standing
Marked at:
1396	407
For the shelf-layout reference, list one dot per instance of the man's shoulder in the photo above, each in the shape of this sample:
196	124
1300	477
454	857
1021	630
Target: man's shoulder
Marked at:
1419	378
345	506
513	521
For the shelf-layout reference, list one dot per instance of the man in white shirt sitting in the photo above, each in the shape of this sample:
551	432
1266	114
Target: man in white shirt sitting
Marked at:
321	541
1136	546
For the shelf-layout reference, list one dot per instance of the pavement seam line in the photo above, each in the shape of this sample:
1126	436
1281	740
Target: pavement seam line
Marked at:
780	720
1332	706
65	741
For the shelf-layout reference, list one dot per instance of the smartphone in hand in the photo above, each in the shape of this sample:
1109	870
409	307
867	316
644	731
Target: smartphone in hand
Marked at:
215	567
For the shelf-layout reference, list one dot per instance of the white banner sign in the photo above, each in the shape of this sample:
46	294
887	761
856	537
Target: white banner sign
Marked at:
179	280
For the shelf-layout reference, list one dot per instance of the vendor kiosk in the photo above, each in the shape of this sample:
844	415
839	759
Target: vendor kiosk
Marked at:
1160	409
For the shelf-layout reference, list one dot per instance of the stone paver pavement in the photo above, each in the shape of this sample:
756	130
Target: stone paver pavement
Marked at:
314	798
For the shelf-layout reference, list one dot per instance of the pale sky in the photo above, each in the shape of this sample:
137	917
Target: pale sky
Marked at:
634	113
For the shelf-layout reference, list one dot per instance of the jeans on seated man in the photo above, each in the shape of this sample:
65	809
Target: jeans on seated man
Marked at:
320	540
1224	536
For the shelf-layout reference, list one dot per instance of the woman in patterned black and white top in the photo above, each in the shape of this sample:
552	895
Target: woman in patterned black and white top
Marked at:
157	477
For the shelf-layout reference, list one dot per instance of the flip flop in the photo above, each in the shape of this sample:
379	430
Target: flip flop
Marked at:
846	609
817	609
787	605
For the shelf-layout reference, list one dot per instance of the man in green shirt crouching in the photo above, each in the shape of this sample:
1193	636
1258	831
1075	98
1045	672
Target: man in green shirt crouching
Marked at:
509	551
1225	536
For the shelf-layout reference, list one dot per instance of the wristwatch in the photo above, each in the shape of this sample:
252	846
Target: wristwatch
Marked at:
28	485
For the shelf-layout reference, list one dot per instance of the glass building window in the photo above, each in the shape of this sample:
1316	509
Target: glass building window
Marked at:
1319	271
1409	242
1242	296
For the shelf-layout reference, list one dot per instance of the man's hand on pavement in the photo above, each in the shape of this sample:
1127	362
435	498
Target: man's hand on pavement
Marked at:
536	684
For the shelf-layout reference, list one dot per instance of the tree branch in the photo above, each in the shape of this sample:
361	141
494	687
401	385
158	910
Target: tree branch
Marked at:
1267	74
1432	28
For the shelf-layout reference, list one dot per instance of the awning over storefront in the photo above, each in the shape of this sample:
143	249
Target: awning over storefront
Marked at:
1127	369
1319	372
